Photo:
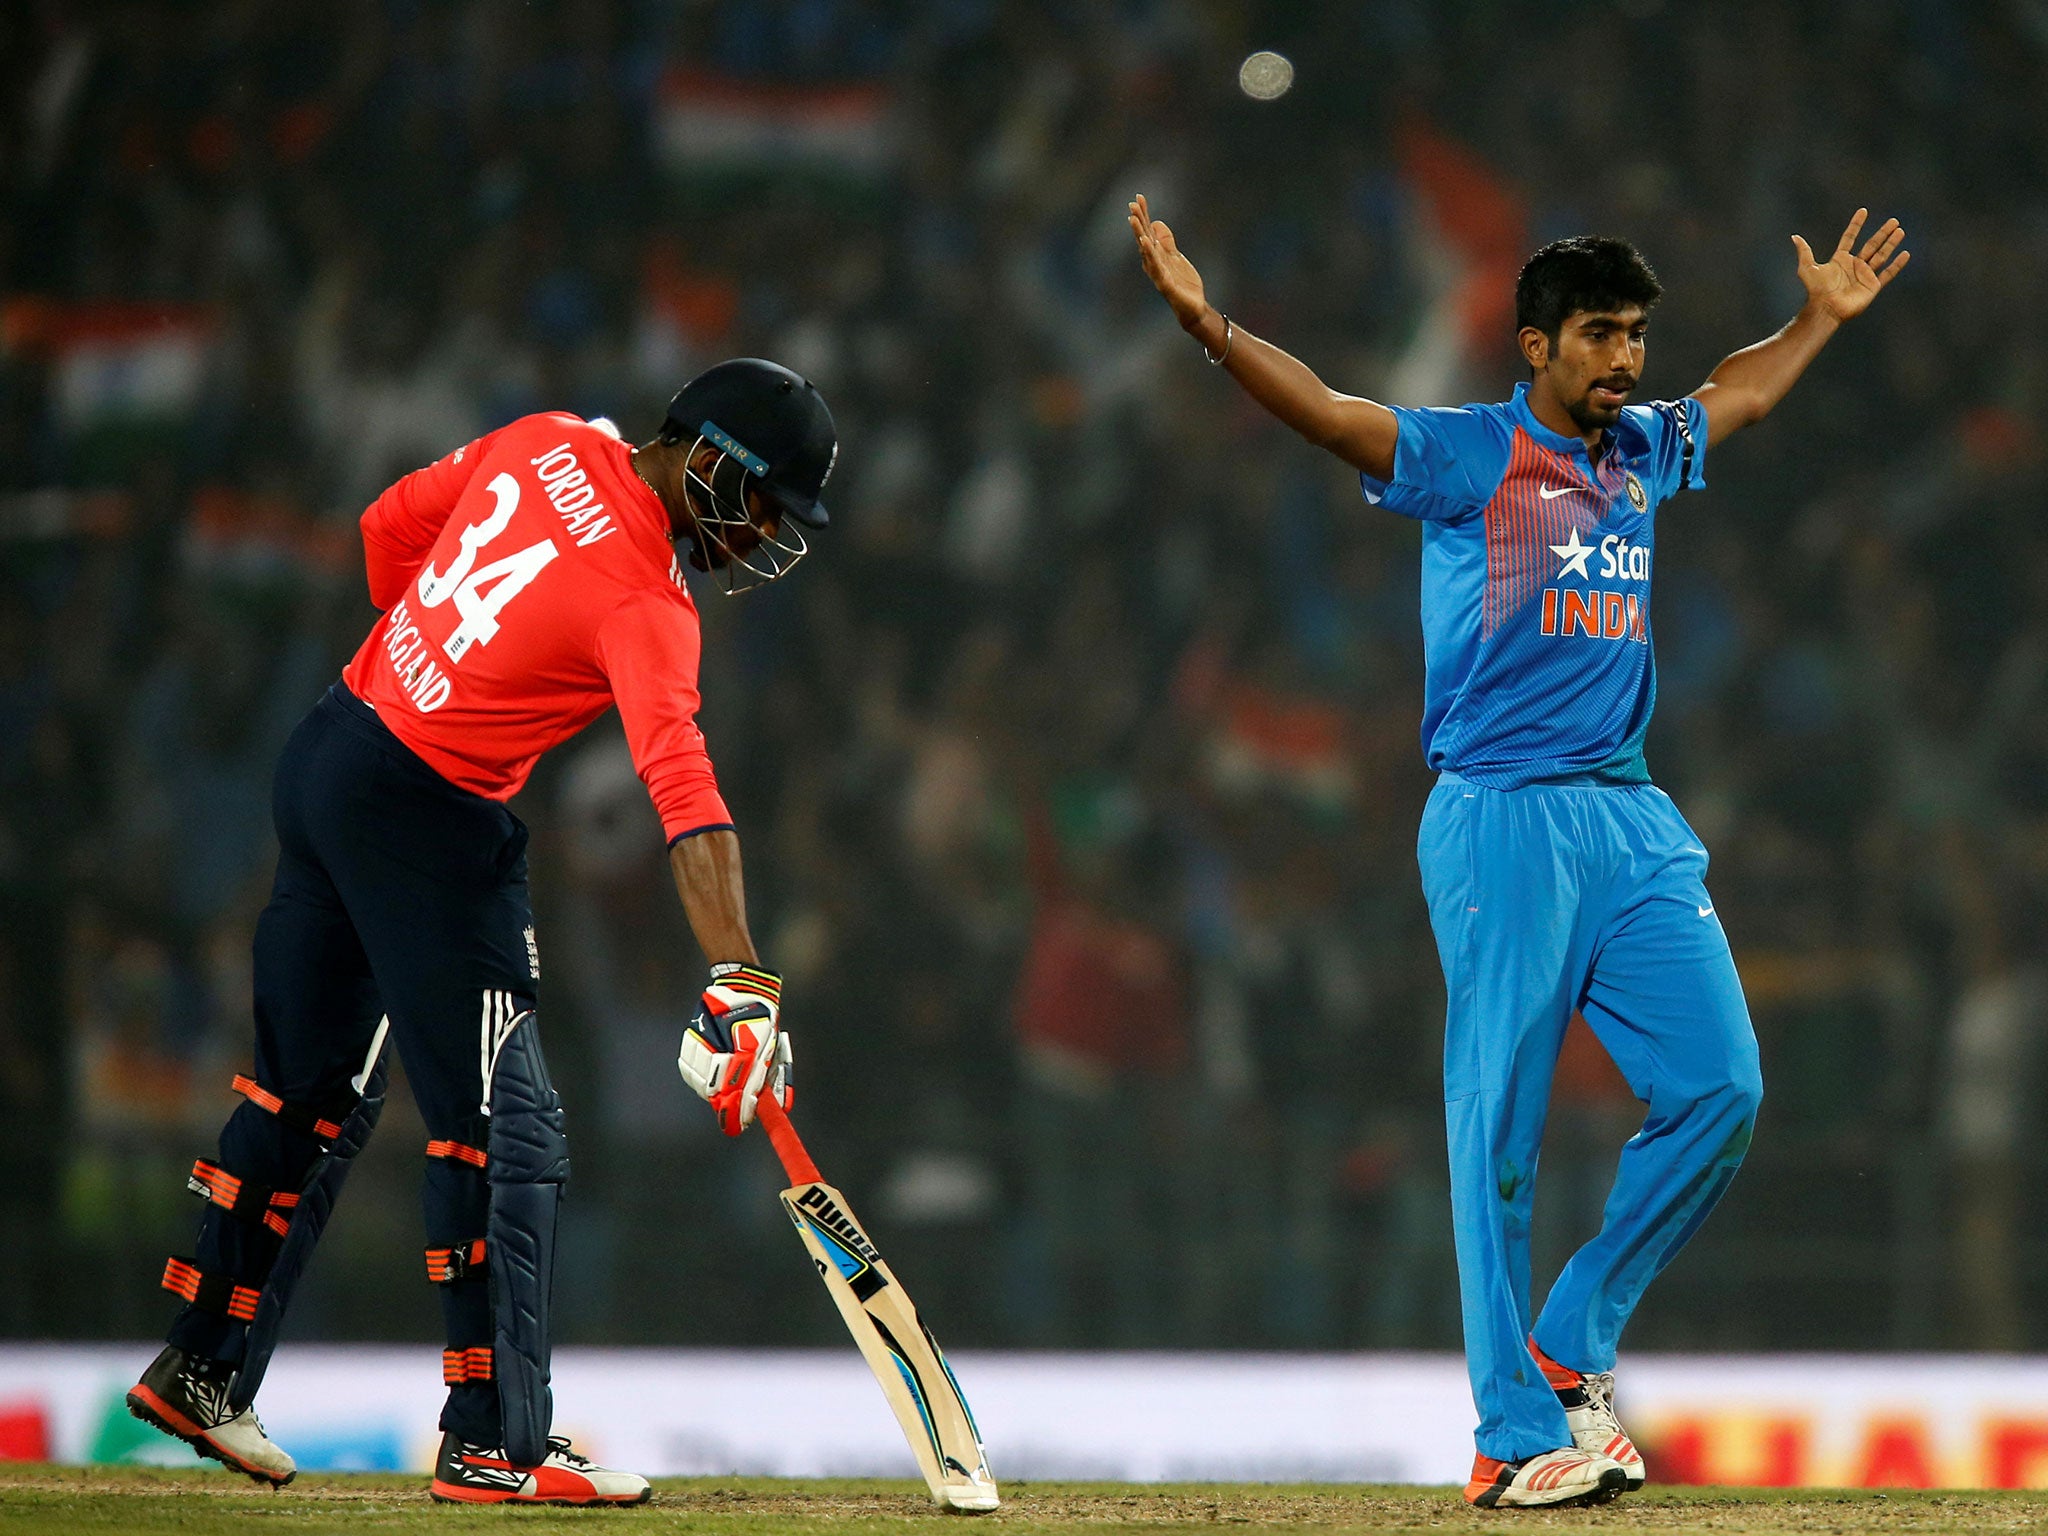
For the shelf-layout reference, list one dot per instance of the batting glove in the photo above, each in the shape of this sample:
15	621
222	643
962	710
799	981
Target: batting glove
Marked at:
734	1049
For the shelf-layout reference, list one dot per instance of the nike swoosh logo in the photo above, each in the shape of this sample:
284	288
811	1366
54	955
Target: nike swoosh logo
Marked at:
1707	910
1549	495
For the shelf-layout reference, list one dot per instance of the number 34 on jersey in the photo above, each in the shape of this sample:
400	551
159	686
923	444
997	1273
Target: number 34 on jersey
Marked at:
481	593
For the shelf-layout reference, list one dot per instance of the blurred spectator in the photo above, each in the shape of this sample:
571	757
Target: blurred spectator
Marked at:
1102	1036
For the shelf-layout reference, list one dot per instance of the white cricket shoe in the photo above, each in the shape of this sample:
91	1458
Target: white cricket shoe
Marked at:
475	1474
187	1396
1564	1476
1588	1403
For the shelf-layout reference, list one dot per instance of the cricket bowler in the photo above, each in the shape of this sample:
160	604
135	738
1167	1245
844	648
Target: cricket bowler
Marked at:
1560	879
529	581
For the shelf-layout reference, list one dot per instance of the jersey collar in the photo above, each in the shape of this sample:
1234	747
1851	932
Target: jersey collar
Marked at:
1519	408
652	508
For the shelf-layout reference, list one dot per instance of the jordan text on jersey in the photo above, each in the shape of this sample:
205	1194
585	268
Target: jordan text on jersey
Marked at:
569	489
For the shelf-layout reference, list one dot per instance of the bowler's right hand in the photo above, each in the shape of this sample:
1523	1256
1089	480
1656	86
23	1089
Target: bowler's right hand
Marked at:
1171	273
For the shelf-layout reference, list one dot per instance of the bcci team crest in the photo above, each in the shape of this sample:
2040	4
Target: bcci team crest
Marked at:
1636	495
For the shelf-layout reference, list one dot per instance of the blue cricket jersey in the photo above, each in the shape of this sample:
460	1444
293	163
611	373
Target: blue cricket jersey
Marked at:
1536	583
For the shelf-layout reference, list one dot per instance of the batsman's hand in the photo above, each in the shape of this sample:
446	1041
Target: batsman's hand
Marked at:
734	1050
1172	273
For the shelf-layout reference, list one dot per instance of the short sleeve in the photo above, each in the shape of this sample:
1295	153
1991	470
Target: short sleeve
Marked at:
649	649
1448	461
1675	432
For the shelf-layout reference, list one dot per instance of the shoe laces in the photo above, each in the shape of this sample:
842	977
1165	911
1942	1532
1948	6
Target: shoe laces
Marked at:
1599	1392
558	1446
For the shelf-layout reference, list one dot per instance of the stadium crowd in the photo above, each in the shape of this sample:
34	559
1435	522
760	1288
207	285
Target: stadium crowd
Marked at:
1078	771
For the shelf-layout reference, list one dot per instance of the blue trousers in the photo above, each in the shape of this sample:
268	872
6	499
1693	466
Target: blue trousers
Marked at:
396	893
1546	900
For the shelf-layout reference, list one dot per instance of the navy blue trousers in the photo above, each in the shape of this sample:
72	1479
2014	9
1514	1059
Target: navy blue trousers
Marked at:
398	894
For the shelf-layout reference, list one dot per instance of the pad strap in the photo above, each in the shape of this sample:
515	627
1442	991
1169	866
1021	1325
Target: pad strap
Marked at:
445	1266
211	1293
459	1366
311	1122
457	1152
258	1203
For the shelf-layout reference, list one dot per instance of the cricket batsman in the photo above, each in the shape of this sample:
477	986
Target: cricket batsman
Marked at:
529	580
1560	879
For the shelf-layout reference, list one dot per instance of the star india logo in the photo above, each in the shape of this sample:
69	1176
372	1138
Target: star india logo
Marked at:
1574	554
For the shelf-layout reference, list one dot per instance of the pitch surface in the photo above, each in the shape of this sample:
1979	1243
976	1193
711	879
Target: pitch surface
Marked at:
73	1501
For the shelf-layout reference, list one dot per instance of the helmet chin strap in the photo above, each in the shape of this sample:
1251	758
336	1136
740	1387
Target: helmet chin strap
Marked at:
718	511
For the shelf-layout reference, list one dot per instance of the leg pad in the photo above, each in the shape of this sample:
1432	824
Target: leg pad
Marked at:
528	1165
271	1208
445	1266
214	1293
308	1220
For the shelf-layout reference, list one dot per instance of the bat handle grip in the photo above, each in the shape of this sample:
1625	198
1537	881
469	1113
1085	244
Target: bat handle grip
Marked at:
796	1162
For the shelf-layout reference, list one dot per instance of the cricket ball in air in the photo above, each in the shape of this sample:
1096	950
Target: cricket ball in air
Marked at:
1265	76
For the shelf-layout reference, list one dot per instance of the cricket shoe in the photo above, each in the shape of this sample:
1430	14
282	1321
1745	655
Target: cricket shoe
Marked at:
1588	1403
1560	1477
475	1474
187	1396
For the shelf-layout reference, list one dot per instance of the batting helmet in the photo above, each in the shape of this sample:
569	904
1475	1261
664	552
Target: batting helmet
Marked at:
772	432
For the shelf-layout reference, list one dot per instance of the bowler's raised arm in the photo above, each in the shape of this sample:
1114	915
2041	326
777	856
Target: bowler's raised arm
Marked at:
1748	384
1360	432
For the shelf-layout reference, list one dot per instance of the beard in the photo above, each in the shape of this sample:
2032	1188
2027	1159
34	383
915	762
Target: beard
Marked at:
1589	417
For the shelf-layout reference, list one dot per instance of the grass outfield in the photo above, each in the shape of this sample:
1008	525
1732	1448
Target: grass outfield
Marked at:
76	1501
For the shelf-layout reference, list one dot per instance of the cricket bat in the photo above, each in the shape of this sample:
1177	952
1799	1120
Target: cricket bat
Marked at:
900	1350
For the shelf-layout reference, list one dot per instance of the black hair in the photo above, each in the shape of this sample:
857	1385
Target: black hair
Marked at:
1586	272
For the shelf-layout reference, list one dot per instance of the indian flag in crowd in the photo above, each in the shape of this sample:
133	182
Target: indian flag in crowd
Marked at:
712	124
1468	242
112	361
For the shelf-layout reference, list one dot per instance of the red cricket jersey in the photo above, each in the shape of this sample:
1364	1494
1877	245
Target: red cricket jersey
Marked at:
528	582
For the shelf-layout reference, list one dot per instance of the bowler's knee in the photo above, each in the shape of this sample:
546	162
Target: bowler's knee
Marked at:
1733	1102
1745	1090
1749	1090
1729	1095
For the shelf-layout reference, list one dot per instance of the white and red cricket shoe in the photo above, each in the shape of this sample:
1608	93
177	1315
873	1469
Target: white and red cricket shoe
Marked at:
1588	1403
475	1474
1554	1478
187	1396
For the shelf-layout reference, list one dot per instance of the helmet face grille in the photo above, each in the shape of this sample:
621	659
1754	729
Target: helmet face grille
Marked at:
719	512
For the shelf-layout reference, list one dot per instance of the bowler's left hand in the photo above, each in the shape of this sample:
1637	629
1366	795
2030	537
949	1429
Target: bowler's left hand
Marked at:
1847	281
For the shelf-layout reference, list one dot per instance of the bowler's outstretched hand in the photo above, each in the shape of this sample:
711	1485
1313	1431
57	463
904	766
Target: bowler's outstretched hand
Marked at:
1172	273
1847	281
